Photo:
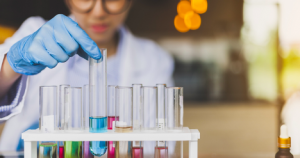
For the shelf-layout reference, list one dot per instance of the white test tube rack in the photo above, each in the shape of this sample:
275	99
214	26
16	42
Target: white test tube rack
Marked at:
31	137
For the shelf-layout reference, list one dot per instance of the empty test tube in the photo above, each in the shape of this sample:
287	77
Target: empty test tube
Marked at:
174	108
73	120
61	117
137	146
124	109
86	144
149	106
48	120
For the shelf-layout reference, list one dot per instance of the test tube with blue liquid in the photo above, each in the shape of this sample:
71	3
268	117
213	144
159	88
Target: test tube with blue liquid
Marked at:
73	120
48	120
98	101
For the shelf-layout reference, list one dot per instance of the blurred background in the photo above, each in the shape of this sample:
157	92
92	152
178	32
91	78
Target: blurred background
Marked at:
238	69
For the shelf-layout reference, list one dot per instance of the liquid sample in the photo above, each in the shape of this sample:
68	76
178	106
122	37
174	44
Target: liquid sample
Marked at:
161	152
73	149
110	122
123	149
137	152
111	150
61	152
98	148
126	129
47	150
98	124
86	150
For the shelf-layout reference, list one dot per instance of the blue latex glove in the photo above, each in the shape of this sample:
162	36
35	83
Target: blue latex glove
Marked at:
56	41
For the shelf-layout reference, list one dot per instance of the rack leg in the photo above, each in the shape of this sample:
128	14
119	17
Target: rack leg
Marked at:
193	149
30	149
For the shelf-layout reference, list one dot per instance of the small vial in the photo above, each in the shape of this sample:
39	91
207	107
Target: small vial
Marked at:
149	108
124	109
174	108
48	120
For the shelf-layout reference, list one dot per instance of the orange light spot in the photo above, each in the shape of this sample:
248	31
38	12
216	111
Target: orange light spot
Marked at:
199	6
180	25
183	7
192	20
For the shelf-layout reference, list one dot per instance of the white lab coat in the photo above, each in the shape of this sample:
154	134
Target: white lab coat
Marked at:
137	61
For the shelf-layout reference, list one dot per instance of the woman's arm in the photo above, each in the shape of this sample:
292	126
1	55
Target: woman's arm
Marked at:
7	77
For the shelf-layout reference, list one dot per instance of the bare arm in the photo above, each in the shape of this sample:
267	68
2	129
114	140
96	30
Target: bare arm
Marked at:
7	77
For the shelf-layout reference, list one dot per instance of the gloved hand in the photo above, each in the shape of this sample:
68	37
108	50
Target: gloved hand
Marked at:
56	41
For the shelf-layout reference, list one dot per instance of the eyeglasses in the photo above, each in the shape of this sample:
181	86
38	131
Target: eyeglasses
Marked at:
109	6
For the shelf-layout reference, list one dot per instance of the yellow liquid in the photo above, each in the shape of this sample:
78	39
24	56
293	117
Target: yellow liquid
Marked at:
123	129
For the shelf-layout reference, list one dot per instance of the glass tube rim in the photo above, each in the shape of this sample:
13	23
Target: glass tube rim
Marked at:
174	87
139	84
123	87
74	87
153	87
161	84
112	86
64	85
48	86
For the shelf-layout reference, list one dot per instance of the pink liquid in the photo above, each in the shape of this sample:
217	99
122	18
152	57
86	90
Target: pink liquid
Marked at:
110	146
110	120
111	150
161	152
61	151
137	152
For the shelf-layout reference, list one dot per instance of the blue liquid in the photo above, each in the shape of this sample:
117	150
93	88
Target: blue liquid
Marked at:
98	125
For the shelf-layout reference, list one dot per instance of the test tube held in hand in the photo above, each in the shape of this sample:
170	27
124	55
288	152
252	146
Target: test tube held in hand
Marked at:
98	101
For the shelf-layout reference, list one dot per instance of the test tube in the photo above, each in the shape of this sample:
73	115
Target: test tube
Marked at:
137	146
174	108
98	101
61	117
161	149
111	100
98	97
124	109
111	90
161	106
48	119
149	108
86	144
73	120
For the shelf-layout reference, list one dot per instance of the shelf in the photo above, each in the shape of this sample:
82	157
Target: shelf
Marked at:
185	135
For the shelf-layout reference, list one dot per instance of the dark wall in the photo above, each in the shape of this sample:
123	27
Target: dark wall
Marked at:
147	17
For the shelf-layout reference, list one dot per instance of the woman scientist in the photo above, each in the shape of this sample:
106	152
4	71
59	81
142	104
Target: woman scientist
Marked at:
54	52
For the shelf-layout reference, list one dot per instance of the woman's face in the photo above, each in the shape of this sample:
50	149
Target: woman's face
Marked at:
98	24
